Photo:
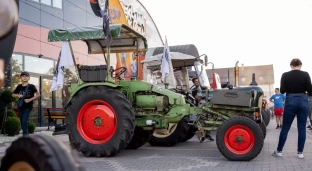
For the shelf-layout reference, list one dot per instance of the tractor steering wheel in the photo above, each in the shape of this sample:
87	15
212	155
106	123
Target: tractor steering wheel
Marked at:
123	70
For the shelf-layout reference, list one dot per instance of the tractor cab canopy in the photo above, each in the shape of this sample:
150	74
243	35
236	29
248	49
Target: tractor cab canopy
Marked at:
125	39
178	76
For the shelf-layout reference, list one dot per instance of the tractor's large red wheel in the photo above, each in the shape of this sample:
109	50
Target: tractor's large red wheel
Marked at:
97	122
240	139
100	121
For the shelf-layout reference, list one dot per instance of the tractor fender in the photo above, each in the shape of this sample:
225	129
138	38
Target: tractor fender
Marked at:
85	85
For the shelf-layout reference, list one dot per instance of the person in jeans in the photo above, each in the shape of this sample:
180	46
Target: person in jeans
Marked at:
278	100
31	95
295	84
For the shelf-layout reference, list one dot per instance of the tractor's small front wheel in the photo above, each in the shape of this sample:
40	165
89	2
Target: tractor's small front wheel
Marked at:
100	121
39	153
240	139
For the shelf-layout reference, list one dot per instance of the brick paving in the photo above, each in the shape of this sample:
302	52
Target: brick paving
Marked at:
193	155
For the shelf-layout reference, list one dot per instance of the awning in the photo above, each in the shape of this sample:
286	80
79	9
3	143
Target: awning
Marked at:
188	49
125	39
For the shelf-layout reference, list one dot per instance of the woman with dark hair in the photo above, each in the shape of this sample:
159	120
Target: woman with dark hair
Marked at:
295	84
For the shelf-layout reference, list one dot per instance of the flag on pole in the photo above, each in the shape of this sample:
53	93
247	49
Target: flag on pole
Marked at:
65	59
106	20
165	62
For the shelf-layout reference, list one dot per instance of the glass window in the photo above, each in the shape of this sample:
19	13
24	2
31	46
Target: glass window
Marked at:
39	65
16	79
58	3
17	62
36	0
47	2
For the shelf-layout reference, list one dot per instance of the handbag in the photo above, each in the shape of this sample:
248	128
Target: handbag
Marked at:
21	100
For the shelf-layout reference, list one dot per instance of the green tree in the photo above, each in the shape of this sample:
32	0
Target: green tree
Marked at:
16	65
51	71
16	79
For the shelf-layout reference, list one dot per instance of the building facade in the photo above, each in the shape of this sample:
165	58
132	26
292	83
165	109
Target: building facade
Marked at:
264	76
33	52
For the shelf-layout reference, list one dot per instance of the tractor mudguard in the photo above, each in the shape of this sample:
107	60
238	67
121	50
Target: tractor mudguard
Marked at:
76	88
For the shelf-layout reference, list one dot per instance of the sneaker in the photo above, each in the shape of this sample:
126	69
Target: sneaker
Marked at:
203	139
309	126
278	154
300	155
277	127
210	138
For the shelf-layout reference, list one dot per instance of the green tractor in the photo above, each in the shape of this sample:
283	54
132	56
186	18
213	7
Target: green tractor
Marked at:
105	117
179	82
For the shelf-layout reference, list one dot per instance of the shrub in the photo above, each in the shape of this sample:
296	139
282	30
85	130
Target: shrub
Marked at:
10	113
31	127
6	96
12	126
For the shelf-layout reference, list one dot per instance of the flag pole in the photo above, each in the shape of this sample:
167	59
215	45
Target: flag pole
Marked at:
74	60
109	78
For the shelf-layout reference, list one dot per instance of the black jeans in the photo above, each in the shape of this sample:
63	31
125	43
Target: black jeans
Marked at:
294	105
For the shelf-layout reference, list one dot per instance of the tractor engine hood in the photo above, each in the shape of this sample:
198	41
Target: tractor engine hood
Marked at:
136	86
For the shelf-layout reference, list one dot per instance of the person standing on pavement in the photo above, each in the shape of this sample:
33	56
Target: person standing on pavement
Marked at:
295	84
28	97
278	100
271	108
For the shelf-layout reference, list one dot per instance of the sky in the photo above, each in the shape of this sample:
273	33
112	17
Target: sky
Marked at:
249	31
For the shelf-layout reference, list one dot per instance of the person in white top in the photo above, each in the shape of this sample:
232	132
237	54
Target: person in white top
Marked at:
271	108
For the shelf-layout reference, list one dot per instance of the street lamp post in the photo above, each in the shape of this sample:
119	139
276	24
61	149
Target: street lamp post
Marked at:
236	74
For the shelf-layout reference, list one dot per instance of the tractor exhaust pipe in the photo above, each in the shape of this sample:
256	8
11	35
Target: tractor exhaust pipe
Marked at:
253	81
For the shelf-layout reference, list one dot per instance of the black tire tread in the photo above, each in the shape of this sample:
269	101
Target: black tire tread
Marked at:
266	117
173	139
190	133
140	137
262	126
127	127
42	152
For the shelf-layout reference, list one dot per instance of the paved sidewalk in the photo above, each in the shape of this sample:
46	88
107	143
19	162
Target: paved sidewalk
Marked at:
193	155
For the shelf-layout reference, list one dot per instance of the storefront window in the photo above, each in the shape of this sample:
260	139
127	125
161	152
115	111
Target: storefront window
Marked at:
16	79
58	3
39	65
17	62
47	2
